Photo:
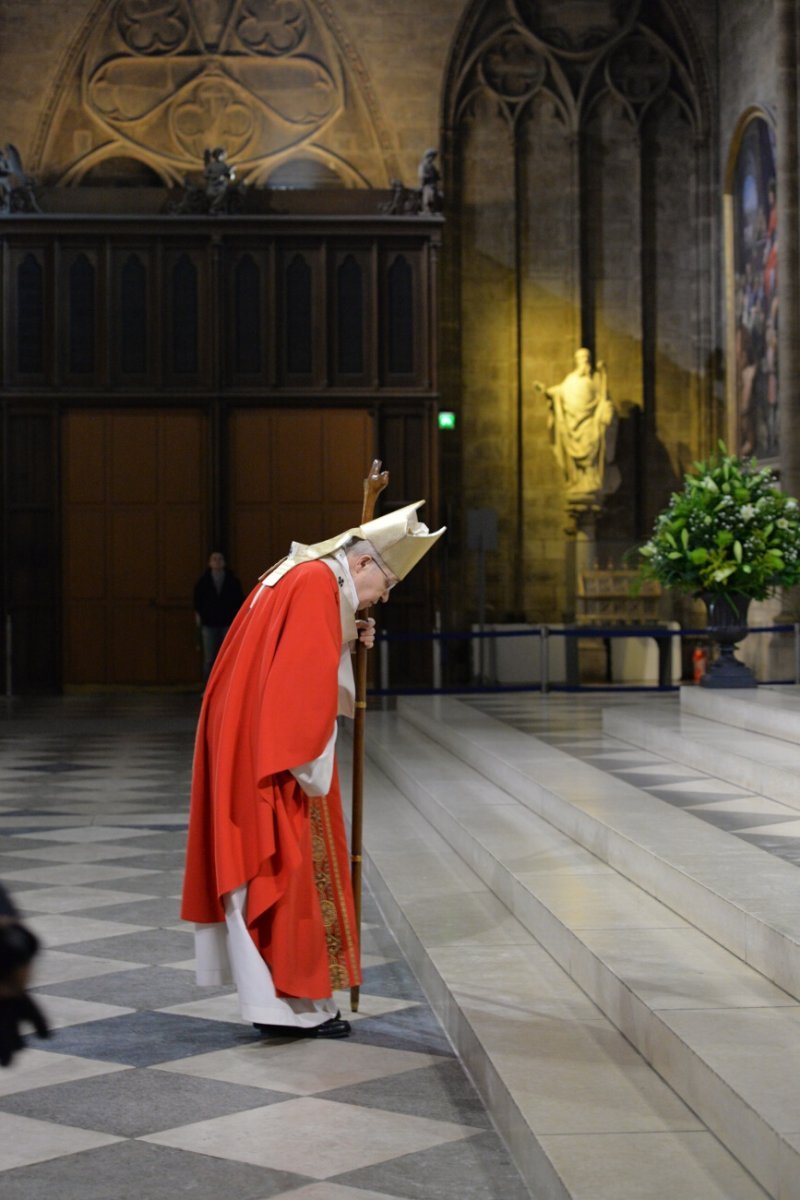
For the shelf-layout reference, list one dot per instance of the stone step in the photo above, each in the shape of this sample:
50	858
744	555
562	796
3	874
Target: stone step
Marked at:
720	1033
765	765
772	710
581	1111
743	898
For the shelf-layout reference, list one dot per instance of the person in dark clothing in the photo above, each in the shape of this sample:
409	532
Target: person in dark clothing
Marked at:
218	597
17	947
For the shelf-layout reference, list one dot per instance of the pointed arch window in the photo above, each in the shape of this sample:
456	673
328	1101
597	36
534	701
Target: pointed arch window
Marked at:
81	323
184	316
30	316
349	317
133	317
299	344
247	320
400	317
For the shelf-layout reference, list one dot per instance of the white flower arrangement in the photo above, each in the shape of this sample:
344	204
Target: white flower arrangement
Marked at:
731	529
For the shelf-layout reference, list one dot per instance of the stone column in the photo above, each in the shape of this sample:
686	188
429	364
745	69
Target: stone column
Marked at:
789	260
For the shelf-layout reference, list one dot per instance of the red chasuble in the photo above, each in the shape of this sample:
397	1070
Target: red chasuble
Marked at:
270	704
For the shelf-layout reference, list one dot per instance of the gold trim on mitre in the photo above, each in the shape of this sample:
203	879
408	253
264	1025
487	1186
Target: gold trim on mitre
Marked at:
398	537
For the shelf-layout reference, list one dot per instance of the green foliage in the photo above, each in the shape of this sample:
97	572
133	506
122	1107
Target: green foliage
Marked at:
730	529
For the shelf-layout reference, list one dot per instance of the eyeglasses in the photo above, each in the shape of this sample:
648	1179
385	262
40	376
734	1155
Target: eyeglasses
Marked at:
390	583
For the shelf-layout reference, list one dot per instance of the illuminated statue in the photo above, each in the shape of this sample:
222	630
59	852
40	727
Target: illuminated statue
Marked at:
582	426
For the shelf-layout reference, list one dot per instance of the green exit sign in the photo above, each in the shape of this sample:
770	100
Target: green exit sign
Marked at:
447	420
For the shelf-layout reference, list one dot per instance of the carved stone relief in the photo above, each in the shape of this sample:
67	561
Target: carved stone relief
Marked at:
576	52
160	82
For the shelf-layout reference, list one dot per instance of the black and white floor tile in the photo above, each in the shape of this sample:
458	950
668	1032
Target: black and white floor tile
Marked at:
150	1088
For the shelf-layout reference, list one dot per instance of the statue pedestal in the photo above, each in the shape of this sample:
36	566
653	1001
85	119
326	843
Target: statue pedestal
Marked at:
581	556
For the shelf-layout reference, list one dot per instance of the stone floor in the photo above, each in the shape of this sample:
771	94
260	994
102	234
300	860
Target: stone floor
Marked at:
150	1088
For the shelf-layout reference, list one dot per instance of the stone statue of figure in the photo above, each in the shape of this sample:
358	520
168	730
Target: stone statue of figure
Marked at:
6	176
218	176
402	200
16	186
427	198
582	425
429	192
219	191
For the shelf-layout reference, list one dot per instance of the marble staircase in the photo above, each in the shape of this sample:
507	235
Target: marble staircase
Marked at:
752	741
620	979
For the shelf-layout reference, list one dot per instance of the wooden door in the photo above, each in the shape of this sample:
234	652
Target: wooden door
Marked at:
295	475
135	520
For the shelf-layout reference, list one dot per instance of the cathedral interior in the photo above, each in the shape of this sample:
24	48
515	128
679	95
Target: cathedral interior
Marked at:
247	247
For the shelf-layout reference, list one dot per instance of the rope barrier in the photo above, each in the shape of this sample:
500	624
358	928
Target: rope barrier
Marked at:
568	631
543	632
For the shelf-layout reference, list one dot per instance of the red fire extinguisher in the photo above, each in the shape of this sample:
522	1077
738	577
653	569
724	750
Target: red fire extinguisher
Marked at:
699	663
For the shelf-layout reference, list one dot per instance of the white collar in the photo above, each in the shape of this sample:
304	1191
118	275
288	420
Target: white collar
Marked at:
348	587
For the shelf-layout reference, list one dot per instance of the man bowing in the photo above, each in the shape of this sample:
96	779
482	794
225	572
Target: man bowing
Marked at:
267	877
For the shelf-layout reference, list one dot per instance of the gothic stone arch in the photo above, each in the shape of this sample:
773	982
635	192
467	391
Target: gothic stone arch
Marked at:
264	78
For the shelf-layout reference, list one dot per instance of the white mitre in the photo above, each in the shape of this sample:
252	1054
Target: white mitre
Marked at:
398	537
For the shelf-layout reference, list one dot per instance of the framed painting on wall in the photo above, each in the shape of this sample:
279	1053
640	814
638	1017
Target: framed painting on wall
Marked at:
754	424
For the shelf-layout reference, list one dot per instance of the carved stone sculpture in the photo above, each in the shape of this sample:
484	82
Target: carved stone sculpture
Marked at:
427	198
220	192
16	187
429	177
219	177
403	200
582	426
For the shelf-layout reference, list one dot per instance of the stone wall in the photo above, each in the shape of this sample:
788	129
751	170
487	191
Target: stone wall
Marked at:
35	36
562	228
746	65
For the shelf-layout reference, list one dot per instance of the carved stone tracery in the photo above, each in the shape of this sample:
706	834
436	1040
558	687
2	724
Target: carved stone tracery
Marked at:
153	29
512	68
638	70
578	52
576	28
159	80
168	80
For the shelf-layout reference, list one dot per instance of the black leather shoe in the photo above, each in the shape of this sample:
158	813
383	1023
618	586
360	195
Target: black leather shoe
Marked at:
335	1027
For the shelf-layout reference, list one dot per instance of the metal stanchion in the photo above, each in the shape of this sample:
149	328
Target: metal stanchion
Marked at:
797	652
544	657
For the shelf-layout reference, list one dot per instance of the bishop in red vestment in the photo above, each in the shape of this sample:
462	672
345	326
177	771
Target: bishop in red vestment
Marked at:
267	875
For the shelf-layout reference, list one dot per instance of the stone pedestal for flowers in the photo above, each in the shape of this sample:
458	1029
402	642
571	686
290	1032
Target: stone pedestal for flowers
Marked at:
727	624
731	536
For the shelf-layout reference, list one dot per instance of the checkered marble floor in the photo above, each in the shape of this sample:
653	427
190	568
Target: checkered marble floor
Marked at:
151	1088
574	723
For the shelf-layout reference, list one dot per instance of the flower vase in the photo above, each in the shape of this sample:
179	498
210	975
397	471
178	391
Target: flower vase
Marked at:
727	625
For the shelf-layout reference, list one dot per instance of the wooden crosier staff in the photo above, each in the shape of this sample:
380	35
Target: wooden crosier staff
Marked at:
374	484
